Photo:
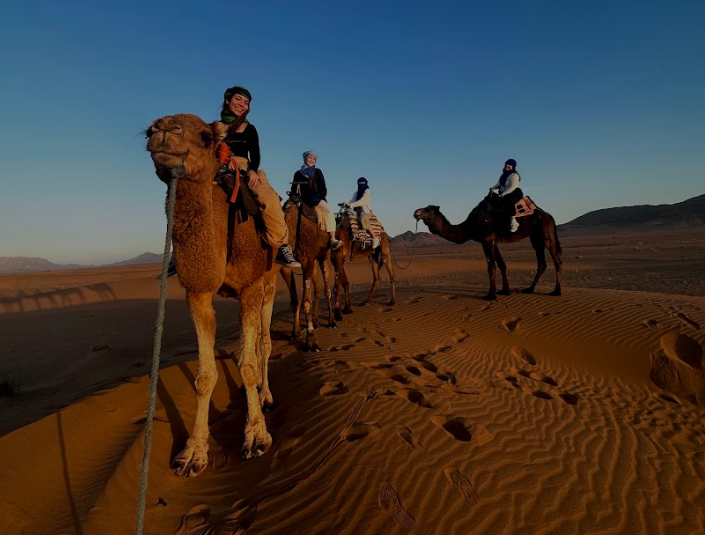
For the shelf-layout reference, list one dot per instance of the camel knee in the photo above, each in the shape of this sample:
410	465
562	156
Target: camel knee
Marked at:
205	382
249	375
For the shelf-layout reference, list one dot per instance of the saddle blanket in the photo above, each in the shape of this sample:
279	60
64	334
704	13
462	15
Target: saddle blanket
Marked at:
525	207
360	235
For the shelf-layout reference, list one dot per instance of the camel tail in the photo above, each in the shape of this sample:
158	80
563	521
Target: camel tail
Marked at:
558	242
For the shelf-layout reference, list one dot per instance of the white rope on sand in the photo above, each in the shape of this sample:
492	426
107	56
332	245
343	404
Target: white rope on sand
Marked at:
154	374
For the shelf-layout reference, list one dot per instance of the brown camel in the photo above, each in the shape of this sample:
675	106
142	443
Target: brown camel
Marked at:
483	224
342	233
310	245
214	254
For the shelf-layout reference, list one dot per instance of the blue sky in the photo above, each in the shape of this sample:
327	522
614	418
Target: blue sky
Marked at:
601	103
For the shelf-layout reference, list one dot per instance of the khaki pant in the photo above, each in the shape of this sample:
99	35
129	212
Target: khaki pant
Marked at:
328	216
366	223
276	231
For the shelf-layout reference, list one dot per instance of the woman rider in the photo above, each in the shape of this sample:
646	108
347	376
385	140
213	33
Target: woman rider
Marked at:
312	187
509	192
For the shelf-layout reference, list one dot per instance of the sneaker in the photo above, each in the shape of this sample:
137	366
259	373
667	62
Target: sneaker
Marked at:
171	270
513	226
335	244
285	257
375	243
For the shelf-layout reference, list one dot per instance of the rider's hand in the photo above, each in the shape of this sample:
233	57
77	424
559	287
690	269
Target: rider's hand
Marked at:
253	179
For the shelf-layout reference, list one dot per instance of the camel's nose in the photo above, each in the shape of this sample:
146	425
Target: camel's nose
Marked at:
417	214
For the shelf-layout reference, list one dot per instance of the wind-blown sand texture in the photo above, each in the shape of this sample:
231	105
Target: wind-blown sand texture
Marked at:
443	415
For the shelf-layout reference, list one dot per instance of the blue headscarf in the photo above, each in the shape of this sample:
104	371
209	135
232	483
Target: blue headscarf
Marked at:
308	170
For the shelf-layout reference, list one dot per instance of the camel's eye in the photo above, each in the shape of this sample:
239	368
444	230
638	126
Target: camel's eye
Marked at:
206	138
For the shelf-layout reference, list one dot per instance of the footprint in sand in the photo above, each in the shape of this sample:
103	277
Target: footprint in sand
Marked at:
510	324
430	367
467	317
360	430
377	365
413	300
389	501
686	320
570	399
450	297
287	446
414	396
650	323
541	394
384	309
536	376
485	308
333	388
413	370
462	429
340	348
523	354
341	367
455	477
395	358
394	376
441	348
196	516
460	335
408	436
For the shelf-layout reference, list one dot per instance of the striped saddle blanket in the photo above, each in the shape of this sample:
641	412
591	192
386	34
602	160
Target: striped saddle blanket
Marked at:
360	235
525	207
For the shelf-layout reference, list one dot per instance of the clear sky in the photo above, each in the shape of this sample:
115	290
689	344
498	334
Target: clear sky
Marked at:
602	104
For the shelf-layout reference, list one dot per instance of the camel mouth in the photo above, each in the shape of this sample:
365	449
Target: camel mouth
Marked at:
169	160
417	214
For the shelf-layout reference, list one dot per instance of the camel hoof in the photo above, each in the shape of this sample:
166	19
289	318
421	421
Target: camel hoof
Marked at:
527	291
392	303
556	292
315	324
188	463
347	310
332	325
338	316
490	297
504	291
256	443
364	304
312	348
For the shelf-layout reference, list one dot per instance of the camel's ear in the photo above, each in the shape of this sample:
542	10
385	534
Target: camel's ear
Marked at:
434	208
220	130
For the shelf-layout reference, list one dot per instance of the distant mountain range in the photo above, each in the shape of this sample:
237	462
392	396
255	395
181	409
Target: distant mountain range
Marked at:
689	214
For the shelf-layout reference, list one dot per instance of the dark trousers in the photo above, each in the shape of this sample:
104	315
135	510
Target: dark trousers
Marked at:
508	202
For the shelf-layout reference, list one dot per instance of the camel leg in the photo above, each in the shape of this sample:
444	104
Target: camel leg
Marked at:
325	269
294	303
265	395
387	259
558	264
194	457
375	280
311	341
503	270
316	297
257	439
537	244
341	279
489	250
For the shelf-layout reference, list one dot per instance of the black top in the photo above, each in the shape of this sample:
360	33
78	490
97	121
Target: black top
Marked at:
245	145
312	190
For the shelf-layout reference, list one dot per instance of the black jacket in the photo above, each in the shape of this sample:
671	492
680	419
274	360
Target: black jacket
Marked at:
312	190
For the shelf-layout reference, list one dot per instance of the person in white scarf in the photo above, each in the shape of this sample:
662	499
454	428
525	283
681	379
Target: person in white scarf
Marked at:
362	199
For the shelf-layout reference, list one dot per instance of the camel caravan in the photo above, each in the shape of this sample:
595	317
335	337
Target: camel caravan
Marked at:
231	235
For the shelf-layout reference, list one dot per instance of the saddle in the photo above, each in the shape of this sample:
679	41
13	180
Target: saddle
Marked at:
360	235
312	213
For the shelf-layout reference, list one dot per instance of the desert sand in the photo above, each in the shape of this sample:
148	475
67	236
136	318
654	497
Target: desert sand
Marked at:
445	414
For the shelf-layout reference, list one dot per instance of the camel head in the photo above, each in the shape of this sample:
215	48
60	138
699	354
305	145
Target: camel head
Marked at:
427	214
185	140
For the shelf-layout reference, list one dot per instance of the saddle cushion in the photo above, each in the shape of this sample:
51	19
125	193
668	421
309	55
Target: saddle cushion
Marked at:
361	235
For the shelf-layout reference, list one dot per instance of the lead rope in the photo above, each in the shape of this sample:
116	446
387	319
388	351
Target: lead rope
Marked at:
154	374
413	251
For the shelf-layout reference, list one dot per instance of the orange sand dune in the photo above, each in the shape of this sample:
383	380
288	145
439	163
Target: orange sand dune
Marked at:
445	414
